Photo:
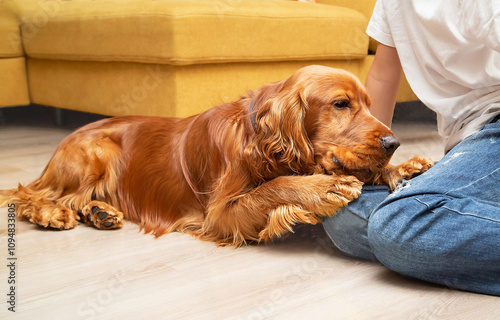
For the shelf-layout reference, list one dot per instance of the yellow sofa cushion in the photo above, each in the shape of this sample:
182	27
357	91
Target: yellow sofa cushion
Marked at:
363	6
10	37
183	32
14	82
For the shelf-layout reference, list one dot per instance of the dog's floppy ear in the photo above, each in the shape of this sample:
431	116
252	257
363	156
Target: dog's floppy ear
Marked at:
281	143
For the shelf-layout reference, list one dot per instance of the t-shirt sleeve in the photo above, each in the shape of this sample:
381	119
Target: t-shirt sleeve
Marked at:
481	22
378	27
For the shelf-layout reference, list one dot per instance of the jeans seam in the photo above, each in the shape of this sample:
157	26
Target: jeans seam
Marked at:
471	215
473	182
361	217
458	212
425	204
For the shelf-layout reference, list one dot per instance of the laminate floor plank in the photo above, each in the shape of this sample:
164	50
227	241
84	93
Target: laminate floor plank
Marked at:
87	273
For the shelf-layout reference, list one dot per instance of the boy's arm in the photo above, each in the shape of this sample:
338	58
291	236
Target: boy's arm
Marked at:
382	83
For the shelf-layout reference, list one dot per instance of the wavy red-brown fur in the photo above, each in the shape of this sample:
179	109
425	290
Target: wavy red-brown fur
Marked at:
215	175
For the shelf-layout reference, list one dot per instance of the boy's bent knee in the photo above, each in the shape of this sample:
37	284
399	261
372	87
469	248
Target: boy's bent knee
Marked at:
439	239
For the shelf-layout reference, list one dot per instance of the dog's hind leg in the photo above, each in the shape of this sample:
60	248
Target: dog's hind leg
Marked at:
38	208
81	175
102	215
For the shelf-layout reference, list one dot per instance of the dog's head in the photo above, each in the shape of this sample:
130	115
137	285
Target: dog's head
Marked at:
318	118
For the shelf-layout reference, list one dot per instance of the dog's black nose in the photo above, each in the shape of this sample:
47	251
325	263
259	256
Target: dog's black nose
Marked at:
389	143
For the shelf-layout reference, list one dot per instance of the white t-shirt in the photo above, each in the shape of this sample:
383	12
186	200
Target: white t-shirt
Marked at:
450	53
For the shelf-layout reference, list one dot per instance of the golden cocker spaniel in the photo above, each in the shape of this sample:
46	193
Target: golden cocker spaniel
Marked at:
292	152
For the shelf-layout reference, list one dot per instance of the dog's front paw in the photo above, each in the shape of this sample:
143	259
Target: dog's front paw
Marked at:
393	175
102	216
414	167
344	189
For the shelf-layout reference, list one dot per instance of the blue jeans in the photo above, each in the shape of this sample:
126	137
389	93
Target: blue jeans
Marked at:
442	226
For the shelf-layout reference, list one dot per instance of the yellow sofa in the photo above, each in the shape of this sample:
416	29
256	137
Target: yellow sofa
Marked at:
170	57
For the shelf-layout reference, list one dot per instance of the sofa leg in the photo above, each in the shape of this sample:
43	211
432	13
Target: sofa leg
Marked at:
58	117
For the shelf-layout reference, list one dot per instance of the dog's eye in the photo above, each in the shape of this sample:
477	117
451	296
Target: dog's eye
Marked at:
341	104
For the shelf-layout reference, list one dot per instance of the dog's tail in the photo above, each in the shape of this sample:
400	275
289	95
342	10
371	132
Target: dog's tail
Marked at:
35	203
6	196
27	195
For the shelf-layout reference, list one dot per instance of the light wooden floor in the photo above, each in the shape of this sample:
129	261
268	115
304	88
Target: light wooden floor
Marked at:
87	273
